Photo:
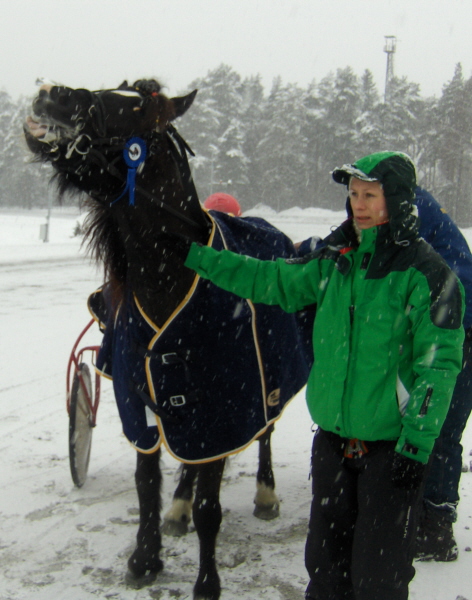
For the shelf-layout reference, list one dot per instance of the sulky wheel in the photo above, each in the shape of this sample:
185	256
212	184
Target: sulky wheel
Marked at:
80	428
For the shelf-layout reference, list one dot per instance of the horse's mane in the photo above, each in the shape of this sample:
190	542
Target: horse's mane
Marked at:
104	245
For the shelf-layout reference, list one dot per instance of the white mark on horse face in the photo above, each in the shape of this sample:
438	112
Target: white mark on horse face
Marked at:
45	83
127	93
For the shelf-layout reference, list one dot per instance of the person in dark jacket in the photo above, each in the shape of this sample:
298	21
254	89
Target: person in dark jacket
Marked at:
387	342
441	496
435	539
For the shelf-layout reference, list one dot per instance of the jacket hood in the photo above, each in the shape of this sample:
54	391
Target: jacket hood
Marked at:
396	173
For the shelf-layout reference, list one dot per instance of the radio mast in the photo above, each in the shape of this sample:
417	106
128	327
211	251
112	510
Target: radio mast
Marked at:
389	49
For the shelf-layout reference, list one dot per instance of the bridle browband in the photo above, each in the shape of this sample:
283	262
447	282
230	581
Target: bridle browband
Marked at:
178	147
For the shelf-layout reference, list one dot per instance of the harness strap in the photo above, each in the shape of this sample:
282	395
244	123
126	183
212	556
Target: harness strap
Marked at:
180	149
97	113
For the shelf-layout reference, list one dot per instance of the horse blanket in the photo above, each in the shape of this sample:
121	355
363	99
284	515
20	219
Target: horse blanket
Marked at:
219	371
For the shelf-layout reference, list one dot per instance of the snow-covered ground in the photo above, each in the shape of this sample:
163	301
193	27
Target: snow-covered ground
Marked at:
58	542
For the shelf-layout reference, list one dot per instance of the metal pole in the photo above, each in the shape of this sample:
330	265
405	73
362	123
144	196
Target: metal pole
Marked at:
48	216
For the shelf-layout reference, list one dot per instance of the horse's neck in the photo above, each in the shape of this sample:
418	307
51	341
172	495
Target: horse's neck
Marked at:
160	283
155	272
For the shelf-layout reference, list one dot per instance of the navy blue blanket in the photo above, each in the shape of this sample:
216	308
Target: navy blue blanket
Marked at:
219	371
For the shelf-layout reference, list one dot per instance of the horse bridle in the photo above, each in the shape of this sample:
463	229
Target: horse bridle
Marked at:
179	150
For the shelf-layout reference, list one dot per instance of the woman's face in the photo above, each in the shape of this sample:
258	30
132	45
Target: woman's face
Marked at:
367	202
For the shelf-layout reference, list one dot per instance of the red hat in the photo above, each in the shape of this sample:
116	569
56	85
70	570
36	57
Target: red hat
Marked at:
224	203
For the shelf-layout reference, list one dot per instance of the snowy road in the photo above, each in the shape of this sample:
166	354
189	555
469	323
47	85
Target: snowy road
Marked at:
61	543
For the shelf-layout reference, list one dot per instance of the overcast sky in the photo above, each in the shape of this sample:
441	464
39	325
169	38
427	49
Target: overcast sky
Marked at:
98	43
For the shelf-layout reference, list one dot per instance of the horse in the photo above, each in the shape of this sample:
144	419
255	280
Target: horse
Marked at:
194	369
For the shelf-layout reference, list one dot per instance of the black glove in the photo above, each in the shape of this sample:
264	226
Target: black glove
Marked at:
407	474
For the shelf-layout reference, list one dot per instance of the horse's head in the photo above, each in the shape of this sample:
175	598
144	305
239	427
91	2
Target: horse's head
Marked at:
84	134
120	147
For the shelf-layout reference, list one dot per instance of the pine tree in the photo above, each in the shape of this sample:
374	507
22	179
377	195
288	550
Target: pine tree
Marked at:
338	101
21	184
7	110
400	116
283	148
454	146
214	130
252	115
427	145
369	137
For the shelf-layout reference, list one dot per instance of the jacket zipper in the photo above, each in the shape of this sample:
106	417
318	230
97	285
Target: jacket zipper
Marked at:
426	401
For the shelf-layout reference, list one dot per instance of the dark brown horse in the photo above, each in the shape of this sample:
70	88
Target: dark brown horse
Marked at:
120	148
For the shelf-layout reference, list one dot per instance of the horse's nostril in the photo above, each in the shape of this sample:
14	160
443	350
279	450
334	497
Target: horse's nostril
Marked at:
38	105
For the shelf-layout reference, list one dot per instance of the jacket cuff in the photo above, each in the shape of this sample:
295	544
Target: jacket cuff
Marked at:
411	451
194	256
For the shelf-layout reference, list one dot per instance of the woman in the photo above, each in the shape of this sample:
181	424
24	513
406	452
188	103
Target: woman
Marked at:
387	342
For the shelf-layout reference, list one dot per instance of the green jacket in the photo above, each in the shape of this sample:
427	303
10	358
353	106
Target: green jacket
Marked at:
387	336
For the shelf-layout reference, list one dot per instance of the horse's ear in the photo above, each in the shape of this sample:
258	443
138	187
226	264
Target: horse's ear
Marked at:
183	103
123	86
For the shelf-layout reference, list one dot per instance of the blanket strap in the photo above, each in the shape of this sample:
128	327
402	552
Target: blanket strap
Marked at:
162	414
168	358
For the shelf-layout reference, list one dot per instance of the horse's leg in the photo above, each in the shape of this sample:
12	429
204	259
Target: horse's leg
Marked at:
144	563
207	519
178	517
266	501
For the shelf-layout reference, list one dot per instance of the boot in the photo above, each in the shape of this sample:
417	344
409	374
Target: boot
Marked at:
435	538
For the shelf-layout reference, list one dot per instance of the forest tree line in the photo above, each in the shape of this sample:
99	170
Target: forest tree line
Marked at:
278	148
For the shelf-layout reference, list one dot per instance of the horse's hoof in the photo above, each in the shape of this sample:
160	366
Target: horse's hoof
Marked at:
207	587
142	570
267	512
138	582
174	528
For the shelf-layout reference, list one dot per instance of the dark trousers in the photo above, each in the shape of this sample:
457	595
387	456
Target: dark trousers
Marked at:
442	484
362	529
